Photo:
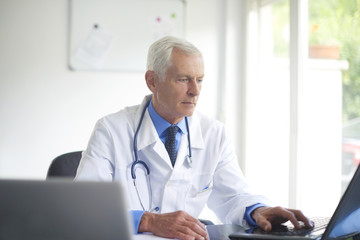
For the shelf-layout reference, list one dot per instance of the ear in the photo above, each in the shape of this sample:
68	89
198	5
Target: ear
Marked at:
150	78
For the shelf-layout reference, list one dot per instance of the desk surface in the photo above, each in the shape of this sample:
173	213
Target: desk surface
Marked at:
222	232
216	232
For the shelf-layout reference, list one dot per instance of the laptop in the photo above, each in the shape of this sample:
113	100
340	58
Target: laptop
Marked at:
344	223
63	209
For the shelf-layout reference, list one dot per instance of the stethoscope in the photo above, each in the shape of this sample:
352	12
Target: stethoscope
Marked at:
145	166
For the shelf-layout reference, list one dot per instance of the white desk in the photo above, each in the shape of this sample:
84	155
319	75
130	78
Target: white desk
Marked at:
216	232
146	236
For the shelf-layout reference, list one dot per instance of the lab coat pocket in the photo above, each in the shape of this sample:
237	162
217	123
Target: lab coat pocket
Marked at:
198	194
206	190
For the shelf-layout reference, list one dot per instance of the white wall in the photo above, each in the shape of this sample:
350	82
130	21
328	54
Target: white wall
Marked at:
47	109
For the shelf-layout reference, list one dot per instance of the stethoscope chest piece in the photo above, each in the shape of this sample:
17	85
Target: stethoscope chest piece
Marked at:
189	160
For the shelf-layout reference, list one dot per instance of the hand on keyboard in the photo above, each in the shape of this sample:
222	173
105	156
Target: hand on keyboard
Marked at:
267	217
287	229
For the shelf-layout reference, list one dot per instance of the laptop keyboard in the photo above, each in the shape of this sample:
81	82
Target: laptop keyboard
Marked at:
287	229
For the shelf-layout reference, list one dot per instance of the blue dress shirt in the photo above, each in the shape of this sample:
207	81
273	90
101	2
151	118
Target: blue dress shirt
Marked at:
248	212
161	126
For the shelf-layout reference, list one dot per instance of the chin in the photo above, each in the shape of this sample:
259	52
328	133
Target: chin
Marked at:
186	112
189	114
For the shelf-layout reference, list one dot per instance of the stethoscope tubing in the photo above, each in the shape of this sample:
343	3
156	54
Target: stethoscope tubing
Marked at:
135	147
137	161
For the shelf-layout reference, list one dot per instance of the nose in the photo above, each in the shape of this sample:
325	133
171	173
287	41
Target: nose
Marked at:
194	88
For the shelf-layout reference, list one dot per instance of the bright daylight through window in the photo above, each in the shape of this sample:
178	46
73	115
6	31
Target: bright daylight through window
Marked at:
328	116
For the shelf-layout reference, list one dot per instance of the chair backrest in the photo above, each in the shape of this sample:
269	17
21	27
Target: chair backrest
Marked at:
64	165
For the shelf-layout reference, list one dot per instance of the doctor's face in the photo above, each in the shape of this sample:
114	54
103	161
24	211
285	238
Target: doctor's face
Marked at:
176	96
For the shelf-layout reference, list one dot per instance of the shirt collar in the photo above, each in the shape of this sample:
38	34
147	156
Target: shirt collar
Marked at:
161	124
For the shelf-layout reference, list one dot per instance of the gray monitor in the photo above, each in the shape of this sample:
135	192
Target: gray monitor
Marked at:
63	209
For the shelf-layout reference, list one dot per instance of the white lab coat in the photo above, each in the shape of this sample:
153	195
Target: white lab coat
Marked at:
214	167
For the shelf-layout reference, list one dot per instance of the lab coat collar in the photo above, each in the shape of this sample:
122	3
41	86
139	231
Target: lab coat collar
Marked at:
161	125
196	137
148	135
148	140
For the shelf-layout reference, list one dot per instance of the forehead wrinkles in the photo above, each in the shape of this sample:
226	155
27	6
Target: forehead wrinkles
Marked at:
187	65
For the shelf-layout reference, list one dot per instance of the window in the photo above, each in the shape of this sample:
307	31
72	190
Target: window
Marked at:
268	99
335	35
293	110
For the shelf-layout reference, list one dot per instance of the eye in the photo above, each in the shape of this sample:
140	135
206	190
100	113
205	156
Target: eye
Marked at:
182	79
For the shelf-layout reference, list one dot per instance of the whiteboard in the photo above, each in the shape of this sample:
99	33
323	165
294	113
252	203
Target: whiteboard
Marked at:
114	35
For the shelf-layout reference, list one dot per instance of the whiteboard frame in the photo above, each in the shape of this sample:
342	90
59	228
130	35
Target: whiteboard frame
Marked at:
102	39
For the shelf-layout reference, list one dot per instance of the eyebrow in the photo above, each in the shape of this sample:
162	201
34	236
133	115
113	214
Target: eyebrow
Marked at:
188	76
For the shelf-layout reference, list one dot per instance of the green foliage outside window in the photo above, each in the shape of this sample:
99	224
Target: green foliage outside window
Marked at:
337	22
331	22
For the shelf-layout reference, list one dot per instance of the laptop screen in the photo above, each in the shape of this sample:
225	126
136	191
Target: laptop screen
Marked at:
61	209
345	220
343	224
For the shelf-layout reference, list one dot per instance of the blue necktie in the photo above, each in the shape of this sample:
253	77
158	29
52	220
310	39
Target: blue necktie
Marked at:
170	143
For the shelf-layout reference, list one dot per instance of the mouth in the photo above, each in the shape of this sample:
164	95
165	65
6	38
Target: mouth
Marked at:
189	103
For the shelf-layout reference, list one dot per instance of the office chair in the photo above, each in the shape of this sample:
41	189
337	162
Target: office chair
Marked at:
66	165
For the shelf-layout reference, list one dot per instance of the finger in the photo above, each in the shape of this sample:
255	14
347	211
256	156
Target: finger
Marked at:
200	229
263	223
186	236
301	217
291	216
191	220
192	226
191	233
197	227
181	232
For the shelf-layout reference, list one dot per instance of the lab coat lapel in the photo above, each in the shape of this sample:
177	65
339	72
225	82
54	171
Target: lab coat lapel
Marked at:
196	137
147	134
149	142
148	137
182	151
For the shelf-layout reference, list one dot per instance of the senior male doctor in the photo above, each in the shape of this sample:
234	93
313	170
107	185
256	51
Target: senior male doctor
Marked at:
172	159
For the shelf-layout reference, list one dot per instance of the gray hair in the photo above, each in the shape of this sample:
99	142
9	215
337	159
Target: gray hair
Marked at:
159	54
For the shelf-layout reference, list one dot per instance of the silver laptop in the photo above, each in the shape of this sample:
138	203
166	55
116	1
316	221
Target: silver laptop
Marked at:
62	209
344	223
